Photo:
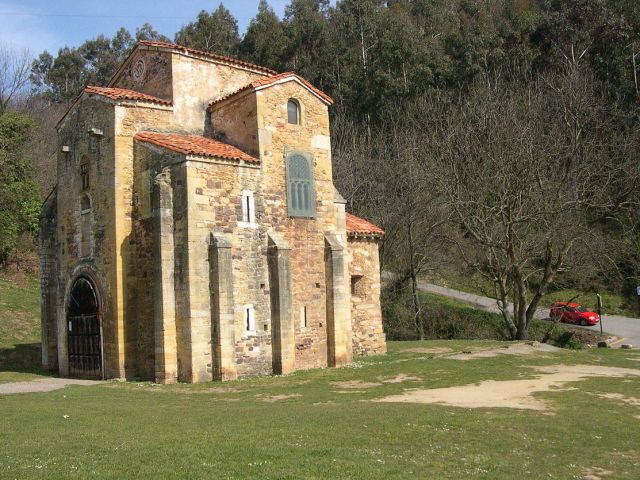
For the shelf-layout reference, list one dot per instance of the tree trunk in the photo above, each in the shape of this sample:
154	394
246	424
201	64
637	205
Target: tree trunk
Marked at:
417	318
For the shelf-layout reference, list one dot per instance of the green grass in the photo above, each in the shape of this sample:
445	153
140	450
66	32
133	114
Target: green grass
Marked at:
19	329
227	431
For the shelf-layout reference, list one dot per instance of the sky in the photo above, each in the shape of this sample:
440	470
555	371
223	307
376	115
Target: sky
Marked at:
38	25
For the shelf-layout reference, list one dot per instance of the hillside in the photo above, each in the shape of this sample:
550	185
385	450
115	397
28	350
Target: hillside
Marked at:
19	326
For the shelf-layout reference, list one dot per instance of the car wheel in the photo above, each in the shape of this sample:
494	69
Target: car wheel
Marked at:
583	322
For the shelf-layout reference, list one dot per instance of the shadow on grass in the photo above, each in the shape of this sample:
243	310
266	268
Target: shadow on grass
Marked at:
22	358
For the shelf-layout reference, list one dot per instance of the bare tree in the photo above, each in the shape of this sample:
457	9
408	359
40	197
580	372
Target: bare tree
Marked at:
14	74
531	172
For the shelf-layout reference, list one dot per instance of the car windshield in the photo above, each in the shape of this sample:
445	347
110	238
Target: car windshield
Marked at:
581	309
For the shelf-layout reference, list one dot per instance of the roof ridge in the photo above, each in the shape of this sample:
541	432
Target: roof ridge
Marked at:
216	56
264	82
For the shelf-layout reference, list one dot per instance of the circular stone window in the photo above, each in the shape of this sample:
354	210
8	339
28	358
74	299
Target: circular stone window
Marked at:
138	70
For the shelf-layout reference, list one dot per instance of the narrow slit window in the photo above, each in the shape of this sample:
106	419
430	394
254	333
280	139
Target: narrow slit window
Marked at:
249	318
248	207
84	174
293	112
304	322
355	281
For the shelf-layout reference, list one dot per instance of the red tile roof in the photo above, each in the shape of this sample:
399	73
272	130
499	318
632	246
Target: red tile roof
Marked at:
202	53
265	82
124	94
357	226
195	145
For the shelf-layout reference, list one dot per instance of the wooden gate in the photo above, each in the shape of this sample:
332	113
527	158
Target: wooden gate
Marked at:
84	331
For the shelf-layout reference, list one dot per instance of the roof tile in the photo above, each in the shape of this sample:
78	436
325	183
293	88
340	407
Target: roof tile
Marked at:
274	79
357	226
203	53
124	94
195	145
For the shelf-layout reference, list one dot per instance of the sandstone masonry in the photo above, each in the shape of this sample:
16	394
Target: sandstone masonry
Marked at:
195	232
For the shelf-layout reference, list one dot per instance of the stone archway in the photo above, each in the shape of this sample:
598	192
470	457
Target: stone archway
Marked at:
84	330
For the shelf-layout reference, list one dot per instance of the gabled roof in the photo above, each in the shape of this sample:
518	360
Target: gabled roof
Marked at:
125	94
116	94
195	145
202	53
278	79
358	227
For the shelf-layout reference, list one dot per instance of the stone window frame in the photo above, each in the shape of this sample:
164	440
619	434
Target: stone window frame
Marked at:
298	111
248	210
248	318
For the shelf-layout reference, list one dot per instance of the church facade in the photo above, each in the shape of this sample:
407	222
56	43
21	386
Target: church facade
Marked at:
195	232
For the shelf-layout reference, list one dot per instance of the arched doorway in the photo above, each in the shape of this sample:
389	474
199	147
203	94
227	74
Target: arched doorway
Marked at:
84	332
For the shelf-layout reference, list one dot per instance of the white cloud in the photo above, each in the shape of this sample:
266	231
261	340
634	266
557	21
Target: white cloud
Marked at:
22	30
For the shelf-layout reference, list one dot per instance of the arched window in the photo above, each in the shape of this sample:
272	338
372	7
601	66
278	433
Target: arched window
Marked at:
85	204
293	112
300	188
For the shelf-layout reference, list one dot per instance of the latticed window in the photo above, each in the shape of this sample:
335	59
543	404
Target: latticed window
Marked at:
300	189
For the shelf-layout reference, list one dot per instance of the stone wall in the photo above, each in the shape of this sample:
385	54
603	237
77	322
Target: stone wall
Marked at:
198	81
148	72
235	121
134	311
94	254
305	237
49	281
366	316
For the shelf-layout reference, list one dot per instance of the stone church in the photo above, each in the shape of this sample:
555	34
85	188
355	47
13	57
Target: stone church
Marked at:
195	232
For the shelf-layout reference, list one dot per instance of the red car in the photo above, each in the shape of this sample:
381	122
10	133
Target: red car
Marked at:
573	313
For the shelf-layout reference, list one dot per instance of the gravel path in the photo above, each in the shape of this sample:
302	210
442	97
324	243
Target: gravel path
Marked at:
44	385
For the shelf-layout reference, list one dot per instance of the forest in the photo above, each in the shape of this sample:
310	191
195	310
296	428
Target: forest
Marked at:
494	138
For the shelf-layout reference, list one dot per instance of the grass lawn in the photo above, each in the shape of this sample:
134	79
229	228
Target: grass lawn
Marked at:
306	426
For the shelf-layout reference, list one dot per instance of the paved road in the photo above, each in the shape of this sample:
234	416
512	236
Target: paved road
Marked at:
623	327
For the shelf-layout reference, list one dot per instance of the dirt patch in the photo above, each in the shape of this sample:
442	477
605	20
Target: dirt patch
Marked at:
509	393
595	473
401	377
277	398
620	398
354	384
515	349
46	385
434	350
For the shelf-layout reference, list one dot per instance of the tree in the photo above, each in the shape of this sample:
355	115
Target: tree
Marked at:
264	42
19	193
308	49
14	75
147	32
530	173
212	32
